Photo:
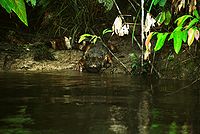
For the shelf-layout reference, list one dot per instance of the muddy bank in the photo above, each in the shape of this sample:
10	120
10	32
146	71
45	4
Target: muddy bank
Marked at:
39	56
35	57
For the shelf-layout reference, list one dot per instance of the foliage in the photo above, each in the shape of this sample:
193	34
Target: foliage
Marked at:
88	37
186	30
93	38
71	17
17	6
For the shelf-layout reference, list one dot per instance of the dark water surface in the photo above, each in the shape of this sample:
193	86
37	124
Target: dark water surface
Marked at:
80	103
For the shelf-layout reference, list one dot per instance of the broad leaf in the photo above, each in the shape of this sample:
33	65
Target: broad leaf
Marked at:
155	2
178	36
162	3
172	34
20	9
191	35
167	17
161	37
192	22
177	41
184	35
182	19
196	14
7	4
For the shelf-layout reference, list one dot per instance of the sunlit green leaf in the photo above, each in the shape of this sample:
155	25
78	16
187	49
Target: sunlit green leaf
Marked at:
184	35
105	31
172	34
7	4
178	36
155	2
192	22
95	40
162	3
83	37
196	14
161	37
167	17
180	21
177	41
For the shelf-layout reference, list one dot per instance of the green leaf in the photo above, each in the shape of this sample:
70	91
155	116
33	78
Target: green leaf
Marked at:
20	10
7	4
178	36
161	37
162	3
184	35
83	37
177	41
192	22
160	18
172	34
167	17
182	19
95	40
156	2
196	14
105	31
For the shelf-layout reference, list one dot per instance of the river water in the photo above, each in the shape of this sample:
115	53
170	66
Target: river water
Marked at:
80	103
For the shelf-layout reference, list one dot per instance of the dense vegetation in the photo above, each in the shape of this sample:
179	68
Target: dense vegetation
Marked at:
162	22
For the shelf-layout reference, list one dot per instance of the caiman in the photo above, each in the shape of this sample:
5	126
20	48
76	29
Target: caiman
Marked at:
96	58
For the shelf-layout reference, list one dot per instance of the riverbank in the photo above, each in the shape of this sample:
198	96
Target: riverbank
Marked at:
39	56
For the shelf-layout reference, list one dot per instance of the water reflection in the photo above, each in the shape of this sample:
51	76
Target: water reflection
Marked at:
78	103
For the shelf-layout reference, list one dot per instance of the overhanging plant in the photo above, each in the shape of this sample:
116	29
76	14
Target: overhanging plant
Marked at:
186	30
18	7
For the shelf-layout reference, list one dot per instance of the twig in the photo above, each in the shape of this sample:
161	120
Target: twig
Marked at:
152	62
137	42
183	87
119	10
132	5
153	68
